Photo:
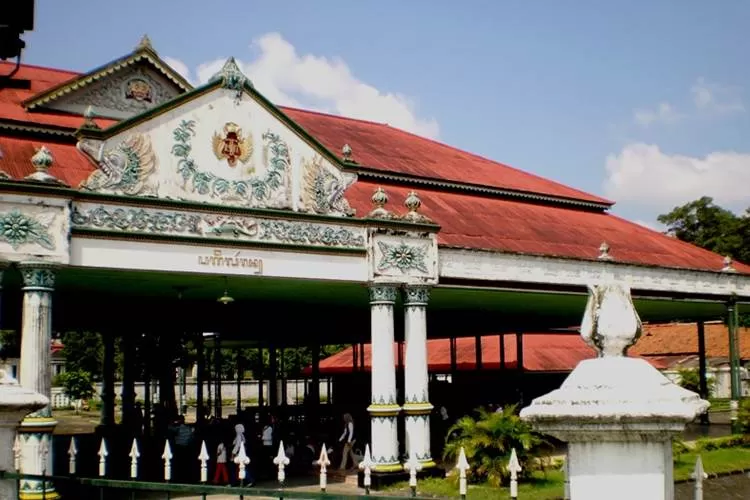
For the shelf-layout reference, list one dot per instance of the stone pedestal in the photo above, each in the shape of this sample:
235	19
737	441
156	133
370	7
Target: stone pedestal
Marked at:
384	409
15	403
417	407
36	334
617	414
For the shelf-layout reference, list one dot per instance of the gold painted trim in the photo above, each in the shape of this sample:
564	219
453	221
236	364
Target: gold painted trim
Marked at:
388	468
48	495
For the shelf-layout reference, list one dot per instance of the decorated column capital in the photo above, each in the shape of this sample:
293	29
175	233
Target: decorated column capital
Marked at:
416	295
383	293
38	276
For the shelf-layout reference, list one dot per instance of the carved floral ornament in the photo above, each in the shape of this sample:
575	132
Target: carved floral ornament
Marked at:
403	257
18	229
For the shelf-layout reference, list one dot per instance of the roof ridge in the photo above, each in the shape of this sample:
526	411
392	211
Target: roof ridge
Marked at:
332	115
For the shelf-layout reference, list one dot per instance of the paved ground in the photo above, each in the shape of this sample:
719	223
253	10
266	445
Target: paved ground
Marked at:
734	487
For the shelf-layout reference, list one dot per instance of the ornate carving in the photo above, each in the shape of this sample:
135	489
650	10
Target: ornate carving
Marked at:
251	191
230	145
416	295
383	293
306	233
17	228
127	169
112	92
413	204
403	257
323	189
42	161
379	200
37	276
610	322
166	223
231	76
137	219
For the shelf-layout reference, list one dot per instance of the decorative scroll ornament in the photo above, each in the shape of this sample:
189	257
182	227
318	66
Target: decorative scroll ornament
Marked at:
251	191
17	228
412	204
323	188
610	323
379	200
42	161
232	145
416	295
37	276
403	257
127	169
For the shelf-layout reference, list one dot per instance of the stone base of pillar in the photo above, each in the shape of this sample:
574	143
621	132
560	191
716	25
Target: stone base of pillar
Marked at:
35	435
380	480
384	437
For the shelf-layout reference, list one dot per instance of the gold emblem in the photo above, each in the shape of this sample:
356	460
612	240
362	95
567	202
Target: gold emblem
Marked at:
232	146
139	90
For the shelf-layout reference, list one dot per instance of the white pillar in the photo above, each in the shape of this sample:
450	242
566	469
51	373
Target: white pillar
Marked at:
36	334
384	408
417	407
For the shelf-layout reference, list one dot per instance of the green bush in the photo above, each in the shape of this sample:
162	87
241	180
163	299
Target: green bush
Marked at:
679	448
77	384
690	380
743	416
488	439
734	441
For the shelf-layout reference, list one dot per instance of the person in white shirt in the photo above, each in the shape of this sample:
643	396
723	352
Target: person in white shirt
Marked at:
347	438
221	476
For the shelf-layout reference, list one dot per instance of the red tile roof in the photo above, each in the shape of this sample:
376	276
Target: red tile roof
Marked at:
682	339
475	220
541	353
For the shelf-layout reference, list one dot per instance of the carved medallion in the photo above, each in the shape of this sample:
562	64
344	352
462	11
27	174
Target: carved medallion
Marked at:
232	146
139	90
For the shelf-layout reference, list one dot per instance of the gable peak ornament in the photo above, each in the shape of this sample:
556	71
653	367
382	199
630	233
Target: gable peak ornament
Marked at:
379	200
144	44
231	145
231	76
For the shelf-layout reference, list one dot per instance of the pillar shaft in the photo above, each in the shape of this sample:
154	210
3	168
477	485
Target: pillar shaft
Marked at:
128	382
734	372
384	409
108	382
417	407
36	336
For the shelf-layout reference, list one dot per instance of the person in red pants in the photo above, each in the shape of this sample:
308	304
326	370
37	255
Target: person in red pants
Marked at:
221	476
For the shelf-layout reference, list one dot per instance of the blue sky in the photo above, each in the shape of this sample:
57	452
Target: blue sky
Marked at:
644	102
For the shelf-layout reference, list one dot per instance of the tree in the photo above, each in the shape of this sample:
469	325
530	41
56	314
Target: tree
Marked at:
77	384
83	351
10	346
690	380
709	226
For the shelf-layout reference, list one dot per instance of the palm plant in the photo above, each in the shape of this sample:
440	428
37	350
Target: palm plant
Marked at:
488	440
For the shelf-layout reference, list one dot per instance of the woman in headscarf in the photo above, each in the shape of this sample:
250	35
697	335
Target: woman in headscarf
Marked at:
237	445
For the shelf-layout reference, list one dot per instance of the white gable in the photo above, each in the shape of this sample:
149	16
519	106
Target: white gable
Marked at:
121	95
221	147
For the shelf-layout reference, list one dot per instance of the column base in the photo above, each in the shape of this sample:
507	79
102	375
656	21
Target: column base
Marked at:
35	430
381	479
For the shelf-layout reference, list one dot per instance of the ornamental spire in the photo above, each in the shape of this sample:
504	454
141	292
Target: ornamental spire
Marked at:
413	204
380	199
42	161
145	44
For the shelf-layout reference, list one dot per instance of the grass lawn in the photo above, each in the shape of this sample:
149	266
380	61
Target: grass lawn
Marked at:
551	486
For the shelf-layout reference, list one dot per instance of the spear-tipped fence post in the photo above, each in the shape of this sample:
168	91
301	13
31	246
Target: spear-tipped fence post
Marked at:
281	461
463	467
323	462
242	460
413	466
103	453
134	455
698	474
203	459
167	457
72	454
366	465
514	467
17	453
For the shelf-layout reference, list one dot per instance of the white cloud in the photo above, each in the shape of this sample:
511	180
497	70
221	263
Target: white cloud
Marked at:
663	113
716	98
315	82
644	174
179	67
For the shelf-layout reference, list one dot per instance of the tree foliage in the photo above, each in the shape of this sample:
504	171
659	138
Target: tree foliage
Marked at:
77	384
83	351
707	225
488	439
10	344
690	380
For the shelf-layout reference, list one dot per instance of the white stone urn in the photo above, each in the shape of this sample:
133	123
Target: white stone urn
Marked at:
15	403
617	414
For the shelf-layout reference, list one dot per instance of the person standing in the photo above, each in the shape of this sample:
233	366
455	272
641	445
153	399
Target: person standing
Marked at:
221	476
237	445
347	438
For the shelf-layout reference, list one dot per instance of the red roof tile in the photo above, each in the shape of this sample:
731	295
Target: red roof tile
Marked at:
476	221
389	149
541	353
682	338
69	165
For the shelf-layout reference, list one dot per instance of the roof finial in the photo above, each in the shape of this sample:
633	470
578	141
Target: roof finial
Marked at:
88	118
346	152
42	161
604	252
412	204
379	199
232	76
144	44
728	267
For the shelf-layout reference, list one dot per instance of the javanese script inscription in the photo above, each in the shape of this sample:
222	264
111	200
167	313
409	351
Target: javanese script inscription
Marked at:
233	260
